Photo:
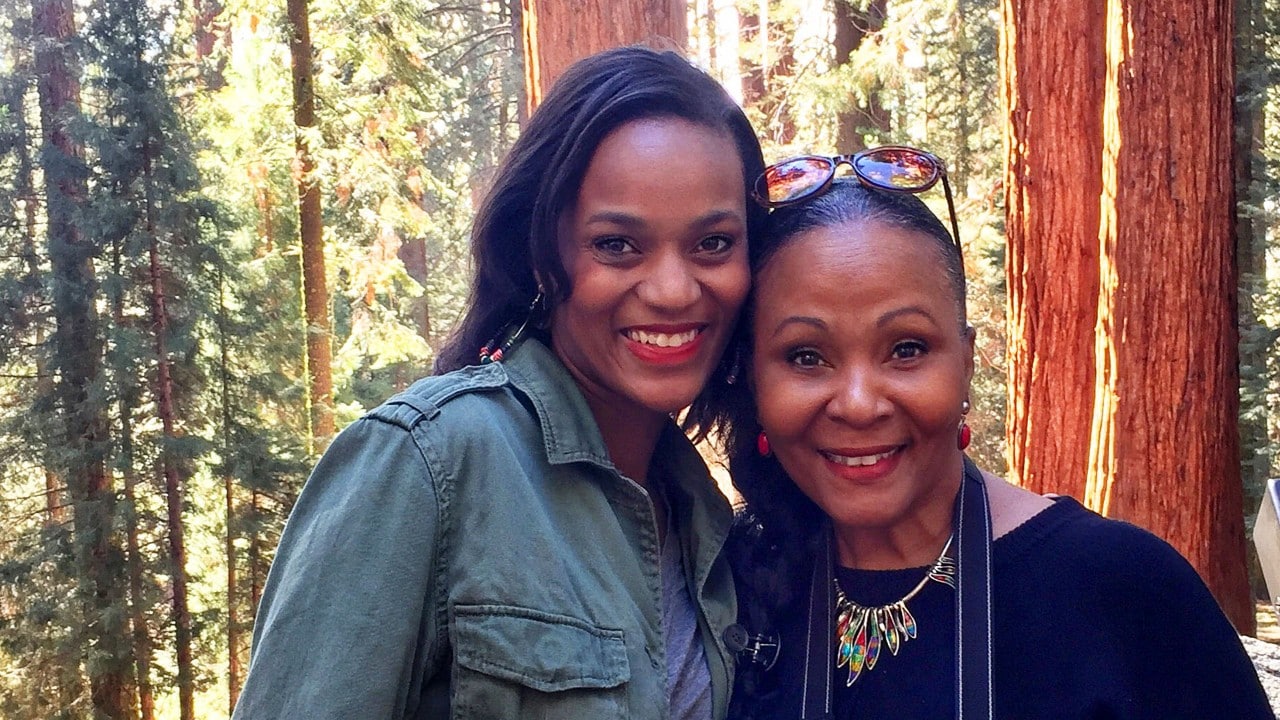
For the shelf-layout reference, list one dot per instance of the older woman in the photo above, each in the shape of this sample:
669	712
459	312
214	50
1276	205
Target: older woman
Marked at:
528	534
881	574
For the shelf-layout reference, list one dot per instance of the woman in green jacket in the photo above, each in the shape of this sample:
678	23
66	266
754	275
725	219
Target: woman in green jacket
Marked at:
529	534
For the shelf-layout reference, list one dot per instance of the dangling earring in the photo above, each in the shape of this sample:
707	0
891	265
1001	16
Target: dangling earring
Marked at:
762	445
965	435
511	333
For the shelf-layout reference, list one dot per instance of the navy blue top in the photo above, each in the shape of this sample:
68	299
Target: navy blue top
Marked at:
1092	618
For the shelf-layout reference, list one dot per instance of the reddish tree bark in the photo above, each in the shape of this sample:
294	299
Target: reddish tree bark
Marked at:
1053	73
558	32
1165	451
174	477
315	290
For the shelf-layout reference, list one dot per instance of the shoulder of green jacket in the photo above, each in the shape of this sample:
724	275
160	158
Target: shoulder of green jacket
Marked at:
424	400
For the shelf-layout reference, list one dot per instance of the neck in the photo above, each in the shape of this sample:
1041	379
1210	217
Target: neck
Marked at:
630	436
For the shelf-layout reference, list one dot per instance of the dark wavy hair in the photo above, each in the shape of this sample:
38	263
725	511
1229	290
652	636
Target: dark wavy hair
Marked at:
514	238
778	529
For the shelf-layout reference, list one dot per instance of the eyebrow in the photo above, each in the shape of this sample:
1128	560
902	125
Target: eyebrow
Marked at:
888	317
799	320
628	220
883	320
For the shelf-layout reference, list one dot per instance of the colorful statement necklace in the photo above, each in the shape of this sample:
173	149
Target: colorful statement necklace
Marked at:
863	632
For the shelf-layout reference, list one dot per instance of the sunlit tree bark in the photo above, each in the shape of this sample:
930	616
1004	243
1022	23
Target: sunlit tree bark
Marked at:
315	290
1053	72
1165	445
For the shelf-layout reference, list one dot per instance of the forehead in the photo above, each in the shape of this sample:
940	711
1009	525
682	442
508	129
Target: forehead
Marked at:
667	151
853	267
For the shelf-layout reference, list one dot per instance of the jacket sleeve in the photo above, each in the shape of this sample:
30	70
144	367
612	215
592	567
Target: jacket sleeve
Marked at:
348	624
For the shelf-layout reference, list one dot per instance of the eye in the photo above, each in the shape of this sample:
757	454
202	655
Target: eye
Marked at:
909	350
715	244
613	245
804	358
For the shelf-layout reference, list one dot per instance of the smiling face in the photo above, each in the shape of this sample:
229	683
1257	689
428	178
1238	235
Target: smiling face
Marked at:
860	368
656	250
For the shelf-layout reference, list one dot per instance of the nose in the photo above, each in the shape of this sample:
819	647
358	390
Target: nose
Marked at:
672	282
858	397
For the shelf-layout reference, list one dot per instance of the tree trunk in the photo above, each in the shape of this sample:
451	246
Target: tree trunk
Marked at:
77	357
558	32
257	564
413	253
311	225
55	510
1053	72
173	477
853	26
1165	452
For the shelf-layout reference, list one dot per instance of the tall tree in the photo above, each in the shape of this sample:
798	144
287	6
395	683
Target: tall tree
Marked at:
77	358
315	288
557	32
1165	443
1053	73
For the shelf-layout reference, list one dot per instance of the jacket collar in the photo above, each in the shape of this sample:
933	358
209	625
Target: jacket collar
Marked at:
569	430
570	433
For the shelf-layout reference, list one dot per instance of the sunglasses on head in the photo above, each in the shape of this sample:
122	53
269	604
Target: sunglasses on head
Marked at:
892	167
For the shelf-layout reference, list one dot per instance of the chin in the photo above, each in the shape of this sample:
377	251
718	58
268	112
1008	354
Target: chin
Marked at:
668	403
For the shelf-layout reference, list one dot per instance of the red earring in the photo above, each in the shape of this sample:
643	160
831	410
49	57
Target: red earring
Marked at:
965	435
762	445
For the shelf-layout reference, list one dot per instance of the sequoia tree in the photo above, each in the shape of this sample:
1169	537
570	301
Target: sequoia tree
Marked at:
1053	74
1165	449
1162	439
557	32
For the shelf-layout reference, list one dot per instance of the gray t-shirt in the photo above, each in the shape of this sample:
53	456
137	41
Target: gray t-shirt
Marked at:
688	677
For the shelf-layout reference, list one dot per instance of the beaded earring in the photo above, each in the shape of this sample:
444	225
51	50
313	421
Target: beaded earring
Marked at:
511	333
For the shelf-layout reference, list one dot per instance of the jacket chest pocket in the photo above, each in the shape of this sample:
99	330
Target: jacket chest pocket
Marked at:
513	662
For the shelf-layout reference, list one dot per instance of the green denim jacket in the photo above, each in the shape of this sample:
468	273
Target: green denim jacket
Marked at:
467	550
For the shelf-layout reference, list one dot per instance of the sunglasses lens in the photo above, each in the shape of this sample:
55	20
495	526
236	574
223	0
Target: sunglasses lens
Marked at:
793	179
898	169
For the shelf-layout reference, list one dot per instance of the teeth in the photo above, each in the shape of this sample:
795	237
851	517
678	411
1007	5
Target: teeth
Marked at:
662	339
860	460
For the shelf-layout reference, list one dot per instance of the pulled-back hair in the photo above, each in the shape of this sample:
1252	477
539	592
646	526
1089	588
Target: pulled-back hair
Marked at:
514	237
778	529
